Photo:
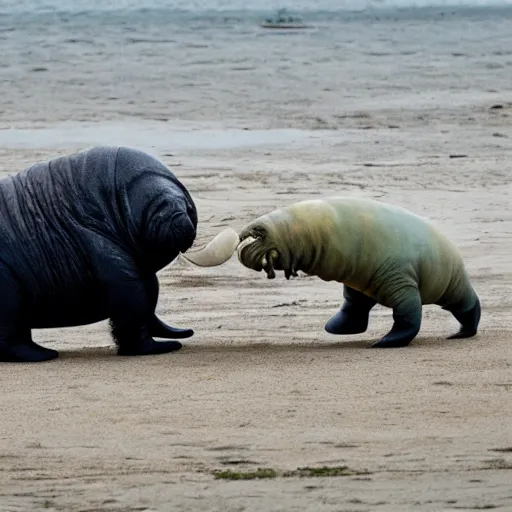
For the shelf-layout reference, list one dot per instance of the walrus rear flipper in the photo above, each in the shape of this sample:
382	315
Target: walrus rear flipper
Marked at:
16	345
468	320
25	352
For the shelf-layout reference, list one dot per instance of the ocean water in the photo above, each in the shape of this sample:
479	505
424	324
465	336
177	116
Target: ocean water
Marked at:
211	61
198	6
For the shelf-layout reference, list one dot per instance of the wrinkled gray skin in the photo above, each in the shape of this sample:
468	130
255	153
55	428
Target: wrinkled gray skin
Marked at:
81	240
380	252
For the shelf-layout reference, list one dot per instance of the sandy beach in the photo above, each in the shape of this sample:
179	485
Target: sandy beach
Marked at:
261	384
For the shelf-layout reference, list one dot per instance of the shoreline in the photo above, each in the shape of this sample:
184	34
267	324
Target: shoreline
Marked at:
150	135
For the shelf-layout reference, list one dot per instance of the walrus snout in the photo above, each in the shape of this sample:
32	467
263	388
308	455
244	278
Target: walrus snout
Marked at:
247	251
216	252
253	254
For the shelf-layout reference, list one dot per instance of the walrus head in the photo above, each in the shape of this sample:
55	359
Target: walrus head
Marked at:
261	248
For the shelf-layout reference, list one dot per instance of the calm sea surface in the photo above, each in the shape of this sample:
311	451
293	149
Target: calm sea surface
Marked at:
211	60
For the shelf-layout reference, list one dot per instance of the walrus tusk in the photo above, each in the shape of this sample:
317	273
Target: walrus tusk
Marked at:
244	243
216	252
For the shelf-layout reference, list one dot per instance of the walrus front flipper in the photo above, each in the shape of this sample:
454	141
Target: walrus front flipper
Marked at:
353	316
468	320
130	306
407	322
132	336
160	329
149	347
157	327
134	341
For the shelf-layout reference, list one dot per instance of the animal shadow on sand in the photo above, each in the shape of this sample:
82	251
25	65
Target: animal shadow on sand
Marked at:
190	349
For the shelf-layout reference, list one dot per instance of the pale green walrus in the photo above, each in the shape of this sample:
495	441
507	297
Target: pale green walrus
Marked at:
381	253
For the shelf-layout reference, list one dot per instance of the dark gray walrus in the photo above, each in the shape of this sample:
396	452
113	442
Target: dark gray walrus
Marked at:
81	240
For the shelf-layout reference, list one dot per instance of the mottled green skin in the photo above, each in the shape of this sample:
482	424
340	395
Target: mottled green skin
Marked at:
381	250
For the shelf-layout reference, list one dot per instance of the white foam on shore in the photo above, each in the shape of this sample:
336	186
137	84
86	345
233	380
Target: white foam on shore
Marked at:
145	135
